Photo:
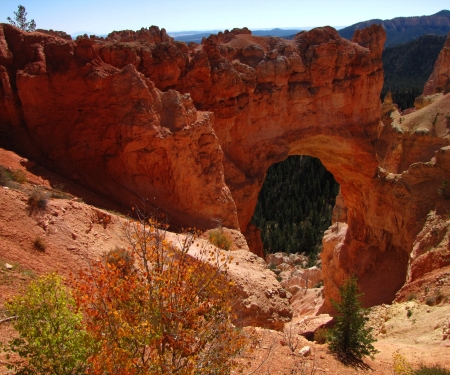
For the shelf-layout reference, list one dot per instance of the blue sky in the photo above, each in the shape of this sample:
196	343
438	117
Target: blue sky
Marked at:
102	17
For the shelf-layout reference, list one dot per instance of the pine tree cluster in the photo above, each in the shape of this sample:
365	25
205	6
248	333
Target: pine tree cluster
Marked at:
295	205
408	66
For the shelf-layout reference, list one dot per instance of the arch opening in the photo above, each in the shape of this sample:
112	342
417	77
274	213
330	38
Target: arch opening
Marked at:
295	206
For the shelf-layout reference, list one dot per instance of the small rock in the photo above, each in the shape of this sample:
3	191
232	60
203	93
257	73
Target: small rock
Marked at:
305	351
8	266
74	236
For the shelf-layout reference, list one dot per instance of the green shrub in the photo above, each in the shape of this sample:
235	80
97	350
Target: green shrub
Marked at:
5	176
51	338
350	339
432	370
409	313
321	335
39	244
220	239
38	199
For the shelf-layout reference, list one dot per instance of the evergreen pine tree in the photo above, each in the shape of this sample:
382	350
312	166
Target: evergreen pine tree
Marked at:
20	20
350	339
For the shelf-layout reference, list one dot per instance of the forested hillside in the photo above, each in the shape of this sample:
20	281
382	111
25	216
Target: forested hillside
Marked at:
408	66
295	205
404	29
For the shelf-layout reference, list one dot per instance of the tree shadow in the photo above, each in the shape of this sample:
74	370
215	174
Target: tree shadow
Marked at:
352	361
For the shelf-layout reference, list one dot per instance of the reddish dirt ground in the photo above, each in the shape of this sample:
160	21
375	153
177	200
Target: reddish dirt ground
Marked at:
74	231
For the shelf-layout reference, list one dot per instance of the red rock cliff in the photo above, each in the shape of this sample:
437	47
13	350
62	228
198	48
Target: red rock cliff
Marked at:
196	127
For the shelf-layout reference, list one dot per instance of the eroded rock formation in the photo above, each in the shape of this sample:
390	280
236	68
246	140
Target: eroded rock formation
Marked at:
196	127
440	78
111	128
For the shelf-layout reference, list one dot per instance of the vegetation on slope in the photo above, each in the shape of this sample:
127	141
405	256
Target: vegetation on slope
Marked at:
151	309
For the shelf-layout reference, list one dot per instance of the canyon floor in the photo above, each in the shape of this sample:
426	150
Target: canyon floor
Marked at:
72	230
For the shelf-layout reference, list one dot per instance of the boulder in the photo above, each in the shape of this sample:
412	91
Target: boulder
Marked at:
305	351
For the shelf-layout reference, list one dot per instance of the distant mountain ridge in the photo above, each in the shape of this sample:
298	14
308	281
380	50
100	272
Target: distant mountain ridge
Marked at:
282	33
403	29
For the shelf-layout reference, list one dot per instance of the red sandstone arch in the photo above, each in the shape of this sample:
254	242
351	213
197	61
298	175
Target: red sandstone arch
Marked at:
196	127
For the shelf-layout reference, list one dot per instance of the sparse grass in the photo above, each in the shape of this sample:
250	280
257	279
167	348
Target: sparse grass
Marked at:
9	277
8	176
38	199
432	370
5	176
59	192
321	335
39	244
436	299
220	239
19	176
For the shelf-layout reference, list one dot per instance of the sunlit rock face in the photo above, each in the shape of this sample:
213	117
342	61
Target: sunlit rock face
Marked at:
194	129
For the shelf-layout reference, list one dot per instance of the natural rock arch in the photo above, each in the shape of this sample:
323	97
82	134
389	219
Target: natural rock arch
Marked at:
196	127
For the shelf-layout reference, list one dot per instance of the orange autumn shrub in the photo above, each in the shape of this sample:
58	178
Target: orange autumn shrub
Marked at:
169	313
